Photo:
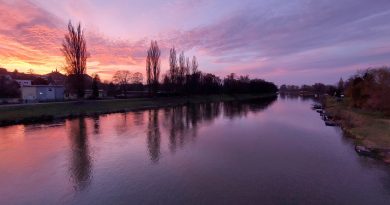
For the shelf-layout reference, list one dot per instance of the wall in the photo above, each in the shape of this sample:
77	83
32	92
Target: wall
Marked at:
29	93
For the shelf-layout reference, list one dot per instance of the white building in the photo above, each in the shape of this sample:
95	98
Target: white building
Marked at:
41	93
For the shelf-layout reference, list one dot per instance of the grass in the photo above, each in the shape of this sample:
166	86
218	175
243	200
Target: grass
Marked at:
371	129
31	113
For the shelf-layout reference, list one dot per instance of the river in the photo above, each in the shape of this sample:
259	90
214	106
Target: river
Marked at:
271	151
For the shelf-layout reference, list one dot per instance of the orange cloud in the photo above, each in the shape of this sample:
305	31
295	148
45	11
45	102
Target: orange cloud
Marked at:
31	38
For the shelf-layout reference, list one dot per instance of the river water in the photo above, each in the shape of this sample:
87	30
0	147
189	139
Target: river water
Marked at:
273	151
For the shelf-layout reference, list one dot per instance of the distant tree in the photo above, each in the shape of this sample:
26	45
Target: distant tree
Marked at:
3	70
30	71
182	69
8	88
211	84
195	77
74	48
137	78
370	89
39	81
173	68
153	67
283	88
319	88
340	87
111	89
95	86
195	65
122	78
188	67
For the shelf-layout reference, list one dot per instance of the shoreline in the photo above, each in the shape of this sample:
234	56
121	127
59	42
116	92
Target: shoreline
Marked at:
369	129
49	112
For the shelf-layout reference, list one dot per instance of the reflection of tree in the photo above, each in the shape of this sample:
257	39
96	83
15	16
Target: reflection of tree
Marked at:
153	136
235	109
138	118
291	96
177	126
96	124
122	126
80	166
182	122
242	108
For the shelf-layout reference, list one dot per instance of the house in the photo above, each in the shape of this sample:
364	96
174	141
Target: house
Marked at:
42	93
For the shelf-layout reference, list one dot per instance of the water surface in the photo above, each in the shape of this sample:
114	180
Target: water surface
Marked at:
255	152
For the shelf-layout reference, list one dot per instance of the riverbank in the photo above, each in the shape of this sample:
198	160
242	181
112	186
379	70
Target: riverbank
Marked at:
34	113
371	130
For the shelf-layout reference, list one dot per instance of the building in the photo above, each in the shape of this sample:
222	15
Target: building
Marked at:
42	93
23	82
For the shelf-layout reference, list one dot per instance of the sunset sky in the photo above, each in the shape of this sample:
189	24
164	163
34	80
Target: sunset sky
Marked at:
294	41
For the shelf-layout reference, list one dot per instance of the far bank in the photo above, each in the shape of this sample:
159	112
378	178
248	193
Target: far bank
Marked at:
44	112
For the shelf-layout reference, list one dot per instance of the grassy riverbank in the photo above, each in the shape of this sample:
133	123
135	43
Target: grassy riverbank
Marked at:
31	113
370	129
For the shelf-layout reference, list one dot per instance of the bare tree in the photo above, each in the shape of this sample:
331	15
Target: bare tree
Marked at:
188	66
74	48
137	78
95	86
153	67
173	69
122	78
195	65
182	68
30	71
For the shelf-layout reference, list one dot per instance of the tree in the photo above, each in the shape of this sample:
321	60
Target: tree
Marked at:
188	67
39	81
153	67
74	48
370	89
137	78
173	69
182	69
122	78
30	71
95	86
195	65
340	87
8	88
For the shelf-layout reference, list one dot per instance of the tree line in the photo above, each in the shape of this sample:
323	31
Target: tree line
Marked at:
182	78
185	78
315	89
370	89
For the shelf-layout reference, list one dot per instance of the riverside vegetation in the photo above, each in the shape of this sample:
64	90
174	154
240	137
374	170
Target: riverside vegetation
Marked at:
364	113
45	112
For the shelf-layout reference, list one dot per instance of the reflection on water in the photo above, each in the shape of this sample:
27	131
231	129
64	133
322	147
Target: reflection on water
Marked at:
96	124
80	165
153	135
182	121
249	152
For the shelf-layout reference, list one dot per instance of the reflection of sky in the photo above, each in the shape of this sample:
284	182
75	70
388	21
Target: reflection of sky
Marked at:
297	41
202	152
